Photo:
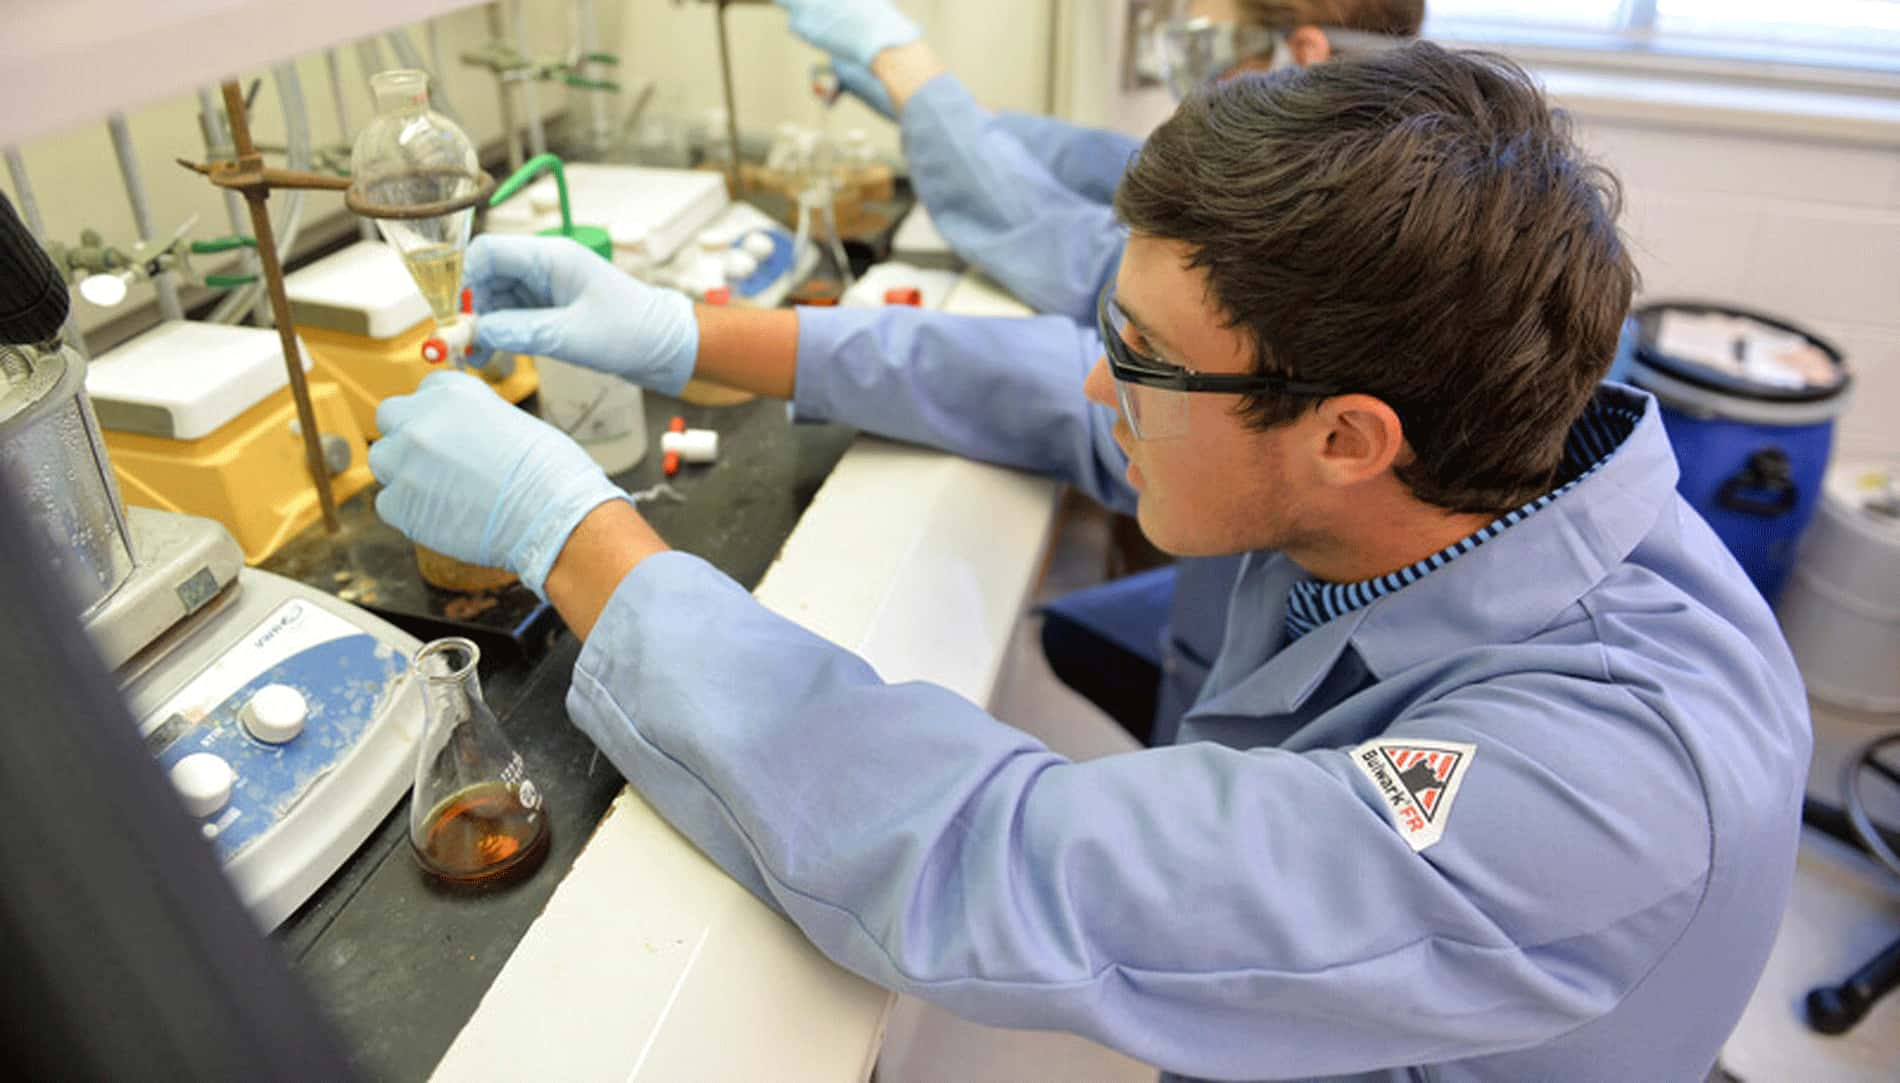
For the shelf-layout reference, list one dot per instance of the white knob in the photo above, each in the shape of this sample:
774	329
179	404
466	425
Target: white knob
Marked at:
739	265
276	713
204	781
758	244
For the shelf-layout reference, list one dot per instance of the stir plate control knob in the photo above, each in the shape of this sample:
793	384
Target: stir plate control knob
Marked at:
275	714
204	781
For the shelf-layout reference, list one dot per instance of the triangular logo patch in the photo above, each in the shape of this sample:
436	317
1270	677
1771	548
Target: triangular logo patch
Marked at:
1418	781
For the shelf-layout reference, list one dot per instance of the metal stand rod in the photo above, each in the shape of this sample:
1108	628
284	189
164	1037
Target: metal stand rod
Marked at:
733	179
432	29
510	127
587	37
530	90
30	211
218	149
258	196
164	282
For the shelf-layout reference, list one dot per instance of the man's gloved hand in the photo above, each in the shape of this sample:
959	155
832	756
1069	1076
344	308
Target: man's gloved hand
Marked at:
854	30
469	475
858	81
552	297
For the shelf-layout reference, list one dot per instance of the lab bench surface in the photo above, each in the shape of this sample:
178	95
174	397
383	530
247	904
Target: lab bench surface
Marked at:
398	961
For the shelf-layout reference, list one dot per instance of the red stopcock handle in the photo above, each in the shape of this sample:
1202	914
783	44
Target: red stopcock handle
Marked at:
455	339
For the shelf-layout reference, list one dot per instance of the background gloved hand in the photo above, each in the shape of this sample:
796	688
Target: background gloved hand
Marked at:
552	297
854	30
858	81
469	475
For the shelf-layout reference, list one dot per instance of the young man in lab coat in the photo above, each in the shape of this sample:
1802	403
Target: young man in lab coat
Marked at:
1027	200
1497	774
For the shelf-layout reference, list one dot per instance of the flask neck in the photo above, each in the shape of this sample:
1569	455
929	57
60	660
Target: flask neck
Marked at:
451	690
399	93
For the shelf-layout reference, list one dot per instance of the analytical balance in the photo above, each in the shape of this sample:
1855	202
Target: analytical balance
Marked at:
364	322
199	420
282	715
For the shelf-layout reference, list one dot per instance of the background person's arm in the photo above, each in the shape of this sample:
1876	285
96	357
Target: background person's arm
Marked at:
1051	240
1087	161
1001	210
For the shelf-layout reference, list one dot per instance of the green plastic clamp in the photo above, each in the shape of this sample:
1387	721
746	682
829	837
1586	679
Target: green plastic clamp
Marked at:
222	244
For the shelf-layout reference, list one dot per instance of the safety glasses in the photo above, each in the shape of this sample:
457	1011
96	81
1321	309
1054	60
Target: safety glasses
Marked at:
1154	393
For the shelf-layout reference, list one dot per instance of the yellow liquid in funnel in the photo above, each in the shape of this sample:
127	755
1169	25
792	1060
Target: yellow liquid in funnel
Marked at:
437	270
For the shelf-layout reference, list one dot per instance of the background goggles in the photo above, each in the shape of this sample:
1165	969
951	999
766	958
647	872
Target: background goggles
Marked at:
1154	393
1196	50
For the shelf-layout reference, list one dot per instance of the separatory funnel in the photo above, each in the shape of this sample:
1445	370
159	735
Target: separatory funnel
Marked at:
416	174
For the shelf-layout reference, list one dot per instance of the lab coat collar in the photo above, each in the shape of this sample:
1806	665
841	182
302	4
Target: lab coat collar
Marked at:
1501	592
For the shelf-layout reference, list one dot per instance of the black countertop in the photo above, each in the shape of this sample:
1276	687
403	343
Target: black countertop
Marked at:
399	962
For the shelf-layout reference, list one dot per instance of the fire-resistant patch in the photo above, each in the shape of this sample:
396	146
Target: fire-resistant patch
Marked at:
1418	781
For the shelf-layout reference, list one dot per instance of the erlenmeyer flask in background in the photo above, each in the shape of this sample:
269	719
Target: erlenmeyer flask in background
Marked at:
474	815
411	157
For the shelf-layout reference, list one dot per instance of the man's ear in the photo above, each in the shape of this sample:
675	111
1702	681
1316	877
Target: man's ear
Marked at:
1363	439
1309	46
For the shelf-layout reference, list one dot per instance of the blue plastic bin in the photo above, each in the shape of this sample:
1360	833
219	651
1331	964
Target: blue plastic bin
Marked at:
1752	454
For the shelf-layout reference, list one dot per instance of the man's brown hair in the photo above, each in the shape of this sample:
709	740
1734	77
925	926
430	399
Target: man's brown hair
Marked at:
1417	225
1400	18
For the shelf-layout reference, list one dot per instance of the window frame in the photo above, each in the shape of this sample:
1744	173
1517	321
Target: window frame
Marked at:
1636	46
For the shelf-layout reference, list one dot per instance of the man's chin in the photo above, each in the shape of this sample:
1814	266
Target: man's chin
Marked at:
1156	530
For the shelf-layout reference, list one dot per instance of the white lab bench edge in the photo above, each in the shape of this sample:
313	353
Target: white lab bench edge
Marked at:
649	963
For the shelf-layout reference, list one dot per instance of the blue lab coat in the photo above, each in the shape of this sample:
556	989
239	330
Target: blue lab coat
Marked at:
1630	743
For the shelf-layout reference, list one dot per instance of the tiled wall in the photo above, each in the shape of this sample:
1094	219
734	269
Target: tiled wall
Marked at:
1807	230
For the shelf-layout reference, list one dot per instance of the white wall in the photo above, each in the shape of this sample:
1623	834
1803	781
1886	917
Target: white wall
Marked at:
1000	48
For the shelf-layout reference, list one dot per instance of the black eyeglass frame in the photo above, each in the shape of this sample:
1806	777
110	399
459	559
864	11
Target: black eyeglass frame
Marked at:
1129	366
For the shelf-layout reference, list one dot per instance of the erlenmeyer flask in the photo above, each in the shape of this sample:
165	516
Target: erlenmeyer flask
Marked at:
475	815
411	157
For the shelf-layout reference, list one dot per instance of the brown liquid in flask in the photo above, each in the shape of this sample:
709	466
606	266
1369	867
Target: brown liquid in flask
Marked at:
482	833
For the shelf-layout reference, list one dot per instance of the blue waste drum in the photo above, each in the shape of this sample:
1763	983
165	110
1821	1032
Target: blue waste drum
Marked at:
1749	402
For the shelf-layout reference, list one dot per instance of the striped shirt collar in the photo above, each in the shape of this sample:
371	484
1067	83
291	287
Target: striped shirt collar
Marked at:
1591	443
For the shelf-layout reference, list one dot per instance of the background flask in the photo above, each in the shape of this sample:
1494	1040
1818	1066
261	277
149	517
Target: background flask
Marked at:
474	815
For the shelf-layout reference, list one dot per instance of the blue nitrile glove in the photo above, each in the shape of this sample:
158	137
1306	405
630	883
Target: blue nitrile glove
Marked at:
856	30
858	81
551	297
469	475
